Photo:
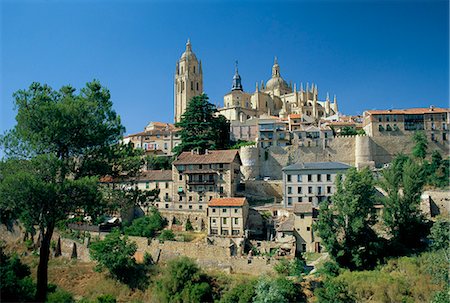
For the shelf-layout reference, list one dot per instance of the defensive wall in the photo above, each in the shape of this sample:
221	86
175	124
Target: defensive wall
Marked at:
358	150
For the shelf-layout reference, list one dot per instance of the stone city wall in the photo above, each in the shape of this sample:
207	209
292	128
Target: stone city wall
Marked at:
435	203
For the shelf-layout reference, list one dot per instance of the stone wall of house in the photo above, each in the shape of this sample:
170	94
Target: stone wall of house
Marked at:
260	189
435	203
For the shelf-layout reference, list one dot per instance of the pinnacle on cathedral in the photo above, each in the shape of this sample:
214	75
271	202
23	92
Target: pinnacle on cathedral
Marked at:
237	85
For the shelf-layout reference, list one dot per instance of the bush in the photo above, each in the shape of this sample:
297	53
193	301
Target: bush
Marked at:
106	299
294	267
146	226
166	235
60	296
333	291
189	225
242	293
16	283
440	234
279	290
182	281
115	253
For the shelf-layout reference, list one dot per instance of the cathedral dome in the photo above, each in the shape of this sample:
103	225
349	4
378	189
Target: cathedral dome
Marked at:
188	53
276	82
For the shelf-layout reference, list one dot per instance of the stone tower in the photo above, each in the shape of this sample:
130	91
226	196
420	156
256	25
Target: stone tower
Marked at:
188	81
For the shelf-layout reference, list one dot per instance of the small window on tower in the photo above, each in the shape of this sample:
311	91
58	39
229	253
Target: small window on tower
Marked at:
197	86
192	85
194	69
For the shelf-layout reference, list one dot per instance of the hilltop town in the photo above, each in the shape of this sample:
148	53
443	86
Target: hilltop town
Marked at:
296	188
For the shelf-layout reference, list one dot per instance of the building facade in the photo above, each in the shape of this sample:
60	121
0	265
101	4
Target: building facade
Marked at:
400	122
188	80
198	178
157	138
275	98
311	182
306	239
227	217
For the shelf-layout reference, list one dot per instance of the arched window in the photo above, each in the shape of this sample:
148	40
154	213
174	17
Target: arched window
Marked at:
194	69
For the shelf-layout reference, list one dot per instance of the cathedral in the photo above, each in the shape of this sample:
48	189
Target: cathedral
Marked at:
274	98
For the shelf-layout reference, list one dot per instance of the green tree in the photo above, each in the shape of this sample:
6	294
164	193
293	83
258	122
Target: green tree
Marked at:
440	235
278	290
333	290
158	162
242	293
200	129
346	226
183	281
60	143
403	182
293	268
146	226
16	283
420	148
115	253
166	235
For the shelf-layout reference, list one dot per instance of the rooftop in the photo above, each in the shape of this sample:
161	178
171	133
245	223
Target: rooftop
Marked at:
408	111
303	207
156	175
317	165
227	202
209	157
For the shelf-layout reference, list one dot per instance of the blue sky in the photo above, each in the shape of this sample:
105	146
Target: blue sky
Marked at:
371	54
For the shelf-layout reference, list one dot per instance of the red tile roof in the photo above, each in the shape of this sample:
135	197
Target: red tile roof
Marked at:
227	202
213	156
408	111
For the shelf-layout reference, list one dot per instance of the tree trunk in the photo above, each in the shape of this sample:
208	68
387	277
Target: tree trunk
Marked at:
42	272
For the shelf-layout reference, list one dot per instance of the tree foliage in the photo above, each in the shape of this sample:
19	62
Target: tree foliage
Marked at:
62	141
183	281
242	293
200	128
346	226
440	235
275	290
116	254
293	268
403	182
158	162
146	226
420	148
16	283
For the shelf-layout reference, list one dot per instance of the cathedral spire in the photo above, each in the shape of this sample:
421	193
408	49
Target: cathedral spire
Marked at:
237	85
275	68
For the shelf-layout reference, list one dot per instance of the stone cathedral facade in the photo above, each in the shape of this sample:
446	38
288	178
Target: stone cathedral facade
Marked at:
274	98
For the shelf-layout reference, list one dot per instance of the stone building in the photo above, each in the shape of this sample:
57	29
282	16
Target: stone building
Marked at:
404	122
304	216
188	80
198	178
227	217
158	138
275	98
310	182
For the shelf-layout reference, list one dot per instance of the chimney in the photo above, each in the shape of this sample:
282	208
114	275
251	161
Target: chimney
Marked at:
206	151
431	108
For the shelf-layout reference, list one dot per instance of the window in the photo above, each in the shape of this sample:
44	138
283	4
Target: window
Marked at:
180	198
308	228
167	205
200	207
224	220
302	216
289	190
310	199
289	202
289	178
379	118
235	210
224	232
147	185
157	185
190	198
200	166
190	206
167	185
235	232
309	178
319	177
192	85
165	145
221	165
303	247
197	85
180	206
319	190
236	221
433	137
388	118
328	189
299	178
213	221
299	190
388	128
213	210
328	177
444	137
299	199
213	231
180	178
310	190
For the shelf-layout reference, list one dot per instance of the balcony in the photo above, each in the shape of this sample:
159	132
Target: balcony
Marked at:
200	182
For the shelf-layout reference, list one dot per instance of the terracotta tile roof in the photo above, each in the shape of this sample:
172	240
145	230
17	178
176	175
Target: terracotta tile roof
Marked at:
156	175
303	207
295	116
408	111
213	156
227	202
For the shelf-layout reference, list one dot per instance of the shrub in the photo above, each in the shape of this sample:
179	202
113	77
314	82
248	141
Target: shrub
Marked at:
294	267
182	281
106	299
146	226
242	293
279	290
166	235
60	296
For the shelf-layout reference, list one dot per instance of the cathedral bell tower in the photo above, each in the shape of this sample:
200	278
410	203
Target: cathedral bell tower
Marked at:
188	81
